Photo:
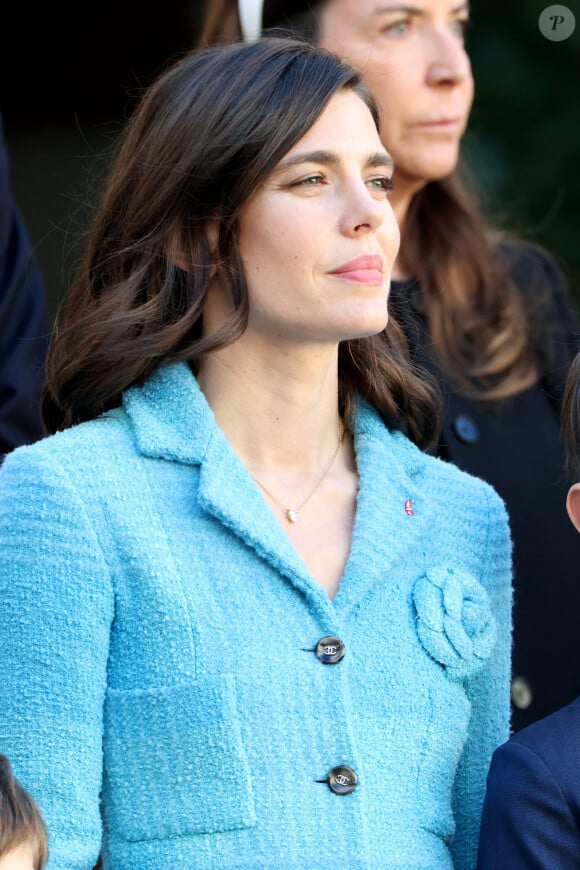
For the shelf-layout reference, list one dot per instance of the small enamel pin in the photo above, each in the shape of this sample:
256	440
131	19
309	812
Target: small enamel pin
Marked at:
409	507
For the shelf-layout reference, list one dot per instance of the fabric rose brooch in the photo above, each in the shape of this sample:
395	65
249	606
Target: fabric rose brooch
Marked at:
454	620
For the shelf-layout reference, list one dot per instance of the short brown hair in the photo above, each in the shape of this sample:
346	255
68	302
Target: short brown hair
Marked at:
571	419
20	819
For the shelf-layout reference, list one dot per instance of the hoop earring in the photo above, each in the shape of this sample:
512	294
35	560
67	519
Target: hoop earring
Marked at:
250	13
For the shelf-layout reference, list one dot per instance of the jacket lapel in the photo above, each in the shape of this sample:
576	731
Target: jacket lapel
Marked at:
227	491
389	531
172	421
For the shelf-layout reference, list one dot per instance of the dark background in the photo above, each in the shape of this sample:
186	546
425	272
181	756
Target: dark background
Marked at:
524	134
70	75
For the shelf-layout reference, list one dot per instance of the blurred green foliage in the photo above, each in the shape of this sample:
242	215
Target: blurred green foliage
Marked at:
523	141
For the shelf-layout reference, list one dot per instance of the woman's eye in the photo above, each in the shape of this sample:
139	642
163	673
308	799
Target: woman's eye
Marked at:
397	28
459	26
382	183
309	181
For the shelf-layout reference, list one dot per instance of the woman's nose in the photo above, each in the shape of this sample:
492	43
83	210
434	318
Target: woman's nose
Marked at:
448	61
363	213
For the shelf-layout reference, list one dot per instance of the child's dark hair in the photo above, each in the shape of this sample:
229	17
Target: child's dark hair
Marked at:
20	819
571	419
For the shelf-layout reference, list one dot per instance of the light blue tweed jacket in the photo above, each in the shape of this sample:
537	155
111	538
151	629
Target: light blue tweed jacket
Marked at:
159	691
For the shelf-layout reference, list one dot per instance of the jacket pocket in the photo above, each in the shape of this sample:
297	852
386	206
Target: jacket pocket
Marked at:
174	762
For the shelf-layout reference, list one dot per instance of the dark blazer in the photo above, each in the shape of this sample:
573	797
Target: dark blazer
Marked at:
23	323
531	814
515	445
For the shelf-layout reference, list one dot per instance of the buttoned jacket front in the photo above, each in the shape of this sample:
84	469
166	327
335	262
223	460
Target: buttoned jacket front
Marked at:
159	638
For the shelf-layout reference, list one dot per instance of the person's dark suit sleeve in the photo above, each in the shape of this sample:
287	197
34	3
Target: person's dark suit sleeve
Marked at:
526	822
23	323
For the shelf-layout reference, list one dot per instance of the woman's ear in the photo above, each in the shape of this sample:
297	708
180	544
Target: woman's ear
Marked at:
573	505
177	255
212	230
178	258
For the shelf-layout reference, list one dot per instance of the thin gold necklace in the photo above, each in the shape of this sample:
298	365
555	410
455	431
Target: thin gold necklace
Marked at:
293	514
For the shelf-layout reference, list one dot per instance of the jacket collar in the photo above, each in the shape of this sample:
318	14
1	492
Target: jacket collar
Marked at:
172	420
170	416
390	523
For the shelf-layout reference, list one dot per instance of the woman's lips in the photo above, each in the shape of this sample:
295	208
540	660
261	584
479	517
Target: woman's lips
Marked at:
441	125
364	270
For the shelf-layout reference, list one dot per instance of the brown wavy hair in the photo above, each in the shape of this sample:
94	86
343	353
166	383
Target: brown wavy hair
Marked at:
204	137
479	330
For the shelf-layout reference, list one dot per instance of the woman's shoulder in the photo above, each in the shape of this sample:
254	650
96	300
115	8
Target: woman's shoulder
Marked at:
460	489
533	270
78	452
463	520
550	310
444	482
522	253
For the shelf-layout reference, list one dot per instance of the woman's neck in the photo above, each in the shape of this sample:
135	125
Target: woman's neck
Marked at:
405	188
400	201
275	410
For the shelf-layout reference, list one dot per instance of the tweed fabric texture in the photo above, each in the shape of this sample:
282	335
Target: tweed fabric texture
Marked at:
159	691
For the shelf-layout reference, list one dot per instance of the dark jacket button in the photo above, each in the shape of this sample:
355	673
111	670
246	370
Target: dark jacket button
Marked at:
330	650
342	780
521	693
466	429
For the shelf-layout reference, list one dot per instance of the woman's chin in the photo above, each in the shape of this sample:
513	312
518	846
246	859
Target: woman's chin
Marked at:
436	165
363	327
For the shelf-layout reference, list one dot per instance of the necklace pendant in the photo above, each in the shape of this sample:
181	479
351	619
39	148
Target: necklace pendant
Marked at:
293	515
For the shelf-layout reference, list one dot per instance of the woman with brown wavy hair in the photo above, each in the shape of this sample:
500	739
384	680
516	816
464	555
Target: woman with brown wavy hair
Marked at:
491	320
246	620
